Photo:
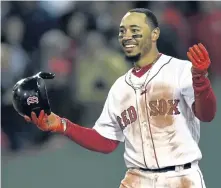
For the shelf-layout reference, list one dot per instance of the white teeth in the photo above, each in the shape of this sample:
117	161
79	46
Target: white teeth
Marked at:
130	46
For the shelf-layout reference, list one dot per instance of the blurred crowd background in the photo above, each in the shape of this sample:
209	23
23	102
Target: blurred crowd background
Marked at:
78	42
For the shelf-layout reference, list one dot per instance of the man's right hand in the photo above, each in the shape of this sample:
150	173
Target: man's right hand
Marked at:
47	123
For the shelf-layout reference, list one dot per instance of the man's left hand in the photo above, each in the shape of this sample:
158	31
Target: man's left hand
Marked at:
199	57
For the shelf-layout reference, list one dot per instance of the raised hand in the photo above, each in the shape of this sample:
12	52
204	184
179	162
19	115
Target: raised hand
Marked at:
199	57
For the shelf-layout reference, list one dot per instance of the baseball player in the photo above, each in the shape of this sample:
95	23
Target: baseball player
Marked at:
155	109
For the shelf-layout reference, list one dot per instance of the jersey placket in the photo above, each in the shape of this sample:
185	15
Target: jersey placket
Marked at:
147	144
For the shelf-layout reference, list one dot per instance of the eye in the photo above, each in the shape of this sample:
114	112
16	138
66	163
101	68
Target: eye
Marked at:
135	30
121	31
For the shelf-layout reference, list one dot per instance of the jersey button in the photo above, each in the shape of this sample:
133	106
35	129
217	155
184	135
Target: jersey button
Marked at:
144	123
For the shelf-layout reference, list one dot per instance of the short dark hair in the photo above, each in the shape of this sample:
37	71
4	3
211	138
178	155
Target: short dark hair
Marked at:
149	14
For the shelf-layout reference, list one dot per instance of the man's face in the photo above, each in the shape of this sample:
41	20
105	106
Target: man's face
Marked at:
135	35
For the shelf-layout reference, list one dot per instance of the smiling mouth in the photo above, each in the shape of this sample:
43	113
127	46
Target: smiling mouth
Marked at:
129	44
129	47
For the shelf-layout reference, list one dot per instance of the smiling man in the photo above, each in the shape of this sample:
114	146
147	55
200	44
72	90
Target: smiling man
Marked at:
155	109
138	35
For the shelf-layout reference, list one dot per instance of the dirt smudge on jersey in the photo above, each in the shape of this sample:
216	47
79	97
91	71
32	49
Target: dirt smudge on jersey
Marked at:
174	146
131	180
185	183
175	150
158	107
136	130
182	182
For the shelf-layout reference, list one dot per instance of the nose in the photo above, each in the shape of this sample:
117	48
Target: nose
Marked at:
126	38
127	35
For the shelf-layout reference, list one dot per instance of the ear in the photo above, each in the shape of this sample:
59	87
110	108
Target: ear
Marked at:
155	34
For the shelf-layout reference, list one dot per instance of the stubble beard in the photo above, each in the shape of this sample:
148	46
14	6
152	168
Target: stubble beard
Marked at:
135	58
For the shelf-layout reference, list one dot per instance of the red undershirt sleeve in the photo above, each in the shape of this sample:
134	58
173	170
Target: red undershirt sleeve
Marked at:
89	138
198	93
204	106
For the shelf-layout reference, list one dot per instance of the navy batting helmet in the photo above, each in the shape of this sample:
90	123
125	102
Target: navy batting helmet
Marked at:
30	94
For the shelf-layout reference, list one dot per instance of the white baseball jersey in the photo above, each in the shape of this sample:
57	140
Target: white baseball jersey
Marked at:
153	115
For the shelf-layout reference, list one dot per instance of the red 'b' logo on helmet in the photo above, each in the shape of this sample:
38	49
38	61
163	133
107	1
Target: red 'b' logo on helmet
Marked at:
32	100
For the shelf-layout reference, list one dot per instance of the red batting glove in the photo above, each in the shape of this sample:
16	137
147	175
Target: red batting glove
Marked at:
199	57
47	123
